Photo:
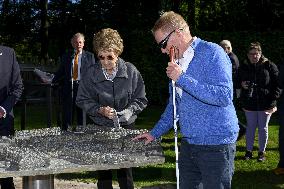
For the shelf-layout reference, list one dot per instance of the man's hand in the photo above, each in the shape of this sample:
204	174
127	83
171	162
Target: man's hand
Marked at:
149	138
173	71
107	112
45	80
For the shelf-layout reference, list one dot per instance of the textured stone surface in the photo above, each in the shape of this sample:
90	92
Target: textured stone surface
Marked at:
51	151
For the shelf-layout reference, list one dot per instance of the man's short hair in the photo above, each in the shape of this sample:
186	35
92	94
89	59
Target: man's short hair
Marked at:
78	35
254	45
170	21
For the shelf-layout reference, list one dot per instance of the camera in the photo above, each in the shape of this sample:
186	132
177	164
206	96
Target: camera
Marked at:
251	86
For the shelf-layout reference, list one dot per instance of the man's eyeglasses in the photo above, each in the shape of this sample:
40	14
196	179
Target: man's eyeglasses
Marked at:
109	57
163	44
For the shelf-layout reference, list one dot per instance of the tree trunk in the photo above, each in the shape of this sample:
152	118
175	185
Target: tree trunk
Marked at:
176	5
191	15
44	32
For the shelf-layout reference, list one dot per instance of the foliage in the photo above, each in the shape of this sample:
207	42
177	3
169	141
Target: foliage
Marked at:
272	42
21	20
237	21
145	55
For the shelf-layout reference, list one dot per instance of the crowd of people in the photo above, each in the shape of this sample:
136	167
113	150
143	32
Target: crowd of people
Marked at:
206	84
256	83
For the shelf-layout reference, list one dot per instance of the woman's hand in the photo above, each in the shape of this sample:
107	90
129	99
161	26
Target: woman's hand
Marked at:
107	112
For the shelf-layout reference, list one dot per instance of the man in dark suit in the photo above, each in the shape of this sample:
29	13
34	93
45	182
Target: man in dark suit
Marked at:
72	68
11	87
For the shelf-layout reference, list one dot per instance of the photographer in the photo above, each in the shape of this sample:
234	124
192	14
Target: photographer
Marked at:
260	89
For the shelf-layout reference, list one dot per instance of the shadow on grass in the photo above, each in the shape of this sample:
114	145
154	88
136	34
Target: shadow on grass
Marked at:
149	173
152	174
140	174
241	180
255	148
77	176
241	148
160	186
262	179
170	147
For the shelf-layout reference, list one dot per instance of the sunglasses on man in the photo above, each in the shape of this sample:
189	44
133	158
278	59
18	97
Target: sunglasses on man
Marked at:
163	44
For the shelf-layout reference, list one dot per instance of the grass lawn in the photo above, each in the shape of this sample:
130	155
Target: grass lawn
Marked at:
248	174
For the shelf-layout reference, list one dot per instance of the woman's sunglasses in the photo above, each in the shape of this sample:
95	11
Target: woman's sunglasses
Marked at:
109	57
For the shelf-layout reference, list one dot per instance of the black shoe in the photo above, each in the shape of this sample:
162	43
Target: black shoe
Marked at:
248	155
261	156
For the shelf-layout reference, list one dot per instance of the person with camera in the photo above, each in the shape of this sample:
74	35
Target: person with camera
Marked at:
258	79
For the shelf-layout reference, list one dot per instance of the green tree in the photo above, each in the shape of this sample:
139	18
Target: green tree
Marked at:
44	31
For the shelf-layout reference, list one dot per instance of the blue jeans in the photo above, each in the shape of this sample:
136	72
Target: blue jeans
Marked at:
211	165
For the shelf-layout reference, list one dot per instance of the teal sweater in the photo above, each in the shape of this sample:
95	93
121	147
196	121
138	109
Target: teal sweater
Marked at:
205	110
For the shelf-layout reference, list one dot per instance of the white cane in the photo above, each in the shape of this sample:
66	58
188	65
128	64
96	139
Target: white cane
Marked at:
172	55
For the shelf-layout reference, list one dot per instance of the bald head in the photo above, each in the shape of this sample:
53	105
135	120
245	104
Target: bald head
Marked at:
226	45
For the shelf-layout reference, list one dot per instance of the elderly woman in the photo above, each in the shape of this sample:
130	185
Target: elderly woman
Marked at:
260	90
112	89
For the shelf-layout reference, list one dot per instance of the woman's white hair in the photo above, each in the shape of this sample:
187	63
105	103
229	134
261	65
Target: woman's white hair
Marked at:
227	44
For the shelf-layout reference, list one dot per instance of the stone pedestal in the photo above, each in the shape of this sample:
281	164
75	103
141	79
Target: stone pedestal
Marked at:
38	182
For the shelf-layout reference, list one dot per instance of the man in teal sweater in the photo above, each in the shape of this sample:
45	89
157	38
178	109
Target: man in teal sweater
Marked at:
207	119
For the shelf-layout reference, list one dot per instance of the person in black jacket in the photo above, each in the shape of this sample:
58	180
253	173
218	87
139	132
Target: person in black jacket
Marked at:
280	167
72	68
258	78
11	88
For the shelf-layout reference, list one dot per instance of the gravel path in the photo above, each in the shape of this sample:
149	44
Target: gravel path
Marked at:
66	184
63	184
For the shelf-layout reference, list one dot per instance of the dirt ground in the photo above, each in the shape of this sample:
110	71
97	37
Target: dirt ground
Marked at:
62	184
66	184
